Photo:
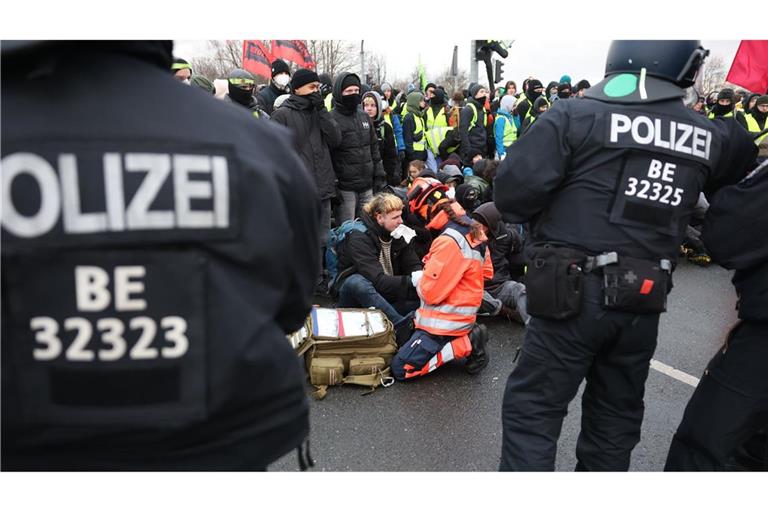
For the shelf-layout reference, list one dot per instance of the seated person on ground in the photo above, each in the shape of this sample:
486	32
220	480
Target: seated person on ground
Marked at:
375	267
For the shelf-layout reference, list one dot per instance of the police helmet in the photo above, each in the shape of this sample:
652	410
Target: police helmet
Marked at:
674	61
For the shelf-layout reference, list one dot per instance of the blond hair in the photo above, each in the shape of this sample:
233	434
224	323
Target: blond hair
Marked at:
383	203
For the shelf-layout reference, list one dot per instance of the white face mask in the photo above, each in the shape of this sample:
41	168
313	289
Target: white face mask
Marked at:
282	80
186	81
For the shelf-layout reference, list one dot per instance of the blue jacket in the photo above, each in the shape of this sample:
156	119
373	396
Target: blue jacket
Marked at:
398	127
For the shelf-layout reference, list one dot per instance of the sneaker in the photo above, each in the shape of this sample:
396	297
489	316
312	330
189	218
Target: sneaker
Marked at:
478	359
700	259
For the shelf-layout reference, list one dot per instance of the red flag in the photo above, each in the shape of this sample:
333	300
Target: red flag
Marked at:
750	66
257	58
293	50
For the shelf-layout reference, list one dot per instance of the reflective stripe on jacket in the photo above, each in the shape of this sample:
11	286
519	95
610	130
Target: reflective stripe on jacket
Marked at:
451	288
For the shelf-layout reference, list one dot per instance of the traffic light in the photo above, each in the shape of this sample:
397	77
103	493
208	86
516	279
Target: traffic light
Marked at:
498	72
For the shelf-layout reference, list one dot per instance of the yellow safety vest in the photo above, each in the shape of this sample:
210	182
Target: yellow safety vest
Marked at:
753	127
418	133
329	102
388	120
510	131
437	128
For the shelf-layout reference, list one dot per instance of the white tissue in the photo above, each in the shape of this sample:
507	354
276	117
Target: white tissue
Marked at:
403	231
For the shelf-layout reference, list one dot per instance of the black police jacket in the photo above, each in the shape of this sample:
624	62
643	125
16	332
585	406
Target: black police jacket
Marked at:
314	131
734	234
619	174
157	251
361	250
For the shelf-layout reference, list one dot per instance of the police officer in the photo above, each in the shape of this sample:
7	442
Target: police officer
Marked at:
730	404
151	267
608	206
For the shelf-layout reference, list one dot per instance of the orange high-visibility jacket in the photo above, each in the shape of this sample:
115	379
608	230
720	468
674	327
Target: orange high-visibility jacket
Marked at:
451	288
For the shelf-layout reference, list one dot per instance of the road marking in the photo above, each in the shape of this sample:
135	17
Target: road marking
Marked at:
674	373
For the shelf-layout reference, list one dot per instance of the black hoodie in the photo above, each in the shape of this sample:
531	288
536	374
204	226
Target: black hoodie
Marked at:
357	157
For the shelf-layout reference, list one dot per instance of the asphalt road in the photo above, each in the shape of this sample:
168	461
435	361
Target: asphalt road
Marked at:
451	421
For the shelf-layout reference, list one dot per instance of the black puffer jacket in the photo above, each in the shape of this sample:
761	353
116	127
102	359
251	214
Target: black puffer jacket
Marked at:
314	131
357	157
361	251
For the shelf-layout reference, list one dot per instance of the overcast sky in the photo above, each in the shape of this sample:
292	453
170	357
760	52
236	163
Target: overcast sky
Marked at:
546	60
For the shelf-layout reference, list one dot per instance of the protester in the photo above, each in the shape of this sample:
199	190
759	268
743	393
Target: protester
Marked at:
357	158
474	137
375	267
278	85
372	105
315	131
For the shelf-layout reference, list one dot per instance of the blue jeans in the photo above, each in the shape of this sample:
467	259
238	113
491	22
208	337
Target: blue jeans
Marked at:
358	292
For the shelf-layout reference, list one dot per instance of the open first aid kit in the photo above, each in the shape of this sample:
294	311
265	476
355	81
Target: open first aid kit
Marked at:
346	346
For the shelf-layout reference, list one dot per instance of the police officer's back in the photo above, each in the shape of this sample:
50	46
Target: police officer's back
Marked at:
608	204
157	245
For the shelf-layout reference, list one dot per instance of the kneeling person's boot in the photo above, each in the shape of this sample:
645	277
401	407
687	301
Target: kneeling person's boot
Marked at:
478	359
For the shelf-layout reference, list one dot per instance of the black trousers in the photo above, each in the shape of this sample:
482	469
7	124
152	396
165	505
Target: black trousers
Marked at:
612	350
729	406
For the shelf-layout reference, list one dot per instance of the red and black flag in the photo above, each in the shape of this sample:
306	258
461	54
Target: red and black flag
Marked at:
293	50
257	58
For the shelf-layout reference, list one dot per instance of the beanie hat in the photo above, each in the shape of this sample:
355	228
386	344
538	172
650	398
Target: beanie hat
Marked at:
473	88
762	100
279	66
565	79
303	77
540	102
411	88
430	84
563	86
581	84
386	86
350	79
180	64
726	94
534	84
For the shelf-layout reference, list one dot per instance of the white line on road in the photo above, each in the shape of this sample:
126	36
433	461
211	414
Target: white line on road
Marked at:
674	373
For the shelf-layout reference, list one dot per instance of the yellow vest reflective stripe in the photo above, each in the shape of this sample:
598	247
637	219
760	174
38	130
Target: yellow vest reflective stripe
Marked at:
329	102
712	115
753	127
418	145
435	136
473	123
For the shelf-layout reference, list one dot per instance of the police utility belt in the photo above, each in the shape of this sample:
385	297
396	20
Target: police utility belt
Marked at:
554	281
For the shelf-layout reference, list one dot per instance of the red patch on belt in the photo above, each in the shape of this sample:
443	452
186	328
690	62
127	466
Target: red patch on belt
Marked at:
647	287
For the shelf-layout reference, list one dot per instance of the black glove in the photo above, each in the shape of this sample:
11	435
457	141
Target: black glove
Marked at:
317	100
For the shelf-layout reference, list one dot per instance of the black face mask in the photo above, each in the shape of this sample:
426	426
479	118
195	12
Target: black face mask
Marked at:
721	110
564	94
239	95
481	100
435	101
351	101
532	95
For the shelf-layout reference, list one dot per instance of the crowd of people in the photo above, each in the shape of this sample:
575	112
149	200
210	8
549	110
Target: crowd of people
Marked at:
362	140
